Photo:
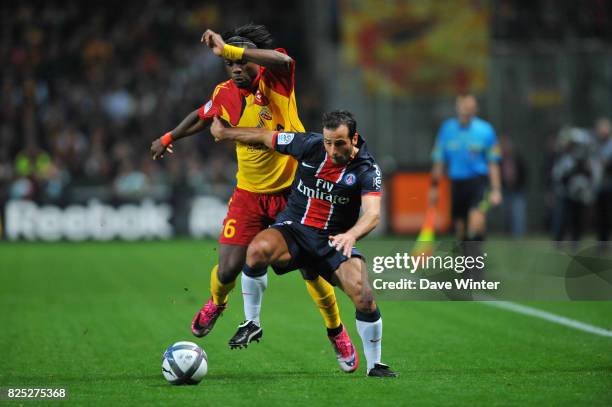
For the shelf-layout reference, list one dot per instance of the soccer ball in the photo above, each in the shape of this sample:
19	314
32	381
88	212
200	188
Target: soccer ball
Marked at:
184	363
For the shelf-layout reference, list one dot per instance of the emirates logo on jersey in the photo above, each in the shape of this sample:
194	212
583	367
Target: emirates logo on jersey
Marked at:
261	99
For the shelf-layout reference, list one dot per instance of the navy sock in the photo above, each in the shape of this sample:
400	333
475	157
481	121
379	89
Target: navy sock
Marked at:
368	316
254	271
334	331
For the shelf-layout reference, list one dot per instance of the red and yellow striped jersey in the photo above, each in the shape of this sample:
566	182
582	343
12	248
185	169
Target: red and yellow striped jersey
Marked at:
269	104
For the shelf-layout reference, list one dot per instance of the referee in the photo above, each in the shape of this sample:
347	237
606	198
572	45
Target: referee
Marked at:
467	147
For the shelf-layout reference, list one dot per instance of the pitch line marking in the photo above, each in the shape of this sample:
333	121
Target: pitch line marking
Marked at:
549	316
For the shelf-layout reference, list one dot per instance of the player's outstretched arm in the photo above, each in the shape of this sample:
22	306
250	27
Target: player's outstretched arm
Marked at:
246	135
267	57
367	222
191	124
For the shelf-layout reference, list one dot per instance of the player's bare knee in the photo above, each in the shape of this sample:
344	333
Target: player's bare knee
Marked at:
259	253
231	260
228	269
366	304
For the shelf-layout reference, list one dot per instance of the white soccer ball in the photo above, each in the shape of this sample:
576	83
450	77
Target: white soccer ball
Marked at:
184	363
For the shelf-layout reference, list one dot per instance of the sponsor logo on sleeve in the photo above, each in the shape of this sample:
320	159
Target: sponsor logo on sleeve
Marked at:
377	180
284	138
207	106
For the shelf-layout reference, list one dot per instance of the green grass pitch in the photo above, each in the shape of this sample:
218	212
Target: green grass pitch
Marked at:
95	318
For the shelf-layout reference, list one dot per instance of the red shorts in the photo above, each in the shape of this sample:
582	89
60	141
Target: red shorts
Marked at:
249	213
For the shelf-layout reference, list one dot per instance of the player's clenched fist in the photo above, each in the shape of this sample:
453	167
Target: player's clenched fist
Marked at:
216	129
213	41
158	148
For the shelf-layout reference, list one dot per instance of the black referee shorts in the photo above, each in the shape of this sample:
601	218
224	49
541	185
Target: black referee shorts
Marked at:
467	194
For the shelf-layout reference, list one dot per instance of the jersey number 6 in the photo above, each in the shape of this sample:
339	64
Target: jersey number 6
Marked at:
230	230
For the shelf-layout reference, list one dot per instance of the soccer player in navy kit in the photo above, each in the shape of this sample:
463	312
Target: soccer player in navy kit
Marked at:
467	147
317	231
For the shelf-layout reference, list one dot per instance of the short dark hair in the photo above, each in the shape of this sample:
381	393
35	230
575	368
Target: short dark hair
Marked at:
334	119
257	34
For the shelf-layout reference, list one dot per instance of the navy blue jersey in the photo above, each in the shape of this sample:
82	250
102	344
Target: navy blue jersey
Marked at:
324	195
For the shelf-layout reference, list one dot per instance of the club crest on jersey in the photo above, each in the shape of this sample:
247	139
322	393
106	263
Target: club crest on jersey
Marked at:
265	114
350	179
284	138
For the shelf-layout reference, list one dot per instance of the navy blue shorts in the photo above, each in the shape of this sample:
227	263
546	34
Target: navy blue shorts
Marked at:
310	249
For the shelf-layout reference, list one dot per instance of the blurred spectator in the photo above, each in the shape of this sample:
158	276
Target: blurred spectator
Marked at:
603	152
97	165
156	178
32	167
131	183
550	154
514	177
575	175
57	181
119	104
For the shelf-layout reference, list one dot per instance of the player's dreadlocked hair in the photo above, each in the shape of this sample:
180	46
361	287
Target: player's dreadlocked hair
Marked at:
333	120
251	35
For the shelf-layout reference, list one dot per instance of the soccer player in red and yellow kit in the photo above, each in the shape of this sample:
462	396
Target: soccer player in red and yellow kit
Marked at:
260	93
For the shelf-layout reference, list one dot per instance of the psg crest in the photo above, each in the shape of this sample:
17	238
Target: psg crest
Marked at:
349	179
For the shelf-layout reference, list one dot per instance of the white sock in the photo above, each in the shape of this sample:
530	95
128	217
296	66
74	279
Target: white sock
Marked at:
371	337
252	294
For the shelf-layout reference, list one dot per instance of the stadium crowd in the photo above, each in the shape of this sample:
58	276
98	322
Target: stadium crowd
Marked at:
581	182
85	90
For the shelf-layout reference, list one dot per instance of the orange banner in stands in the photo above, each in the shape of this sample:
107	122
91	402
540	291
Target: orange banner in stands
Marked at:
409	199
